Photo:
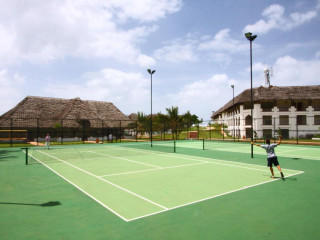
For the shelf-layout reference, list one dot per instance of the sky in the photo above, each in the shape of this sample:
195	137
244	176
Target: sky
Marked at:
101	50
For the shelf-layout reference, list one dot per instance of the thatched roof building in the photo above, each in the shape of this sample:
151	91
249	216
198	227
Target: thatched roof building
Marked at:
274	93
46	112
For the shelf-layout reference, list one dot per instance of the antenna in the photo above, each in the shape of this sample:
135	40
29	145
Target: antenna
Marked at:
268	73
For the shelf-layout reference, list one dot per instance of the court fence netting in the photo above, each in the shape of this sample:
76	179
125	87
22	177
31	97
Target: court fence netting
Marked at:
32	131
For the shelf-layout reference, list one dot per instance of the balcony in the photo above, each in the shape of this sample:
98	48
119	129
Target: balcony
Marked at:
283	109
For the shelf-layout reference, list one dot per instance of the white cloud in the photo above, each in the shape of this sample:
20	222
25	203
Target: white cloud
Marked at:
275	19
143	10
42	31
176	52
127	90
289	71
204	96
222	41
146	61
194	47
11	88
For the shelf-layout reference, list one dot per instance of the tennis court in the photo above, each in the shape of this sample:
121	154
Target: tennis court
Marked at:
133	181
139	184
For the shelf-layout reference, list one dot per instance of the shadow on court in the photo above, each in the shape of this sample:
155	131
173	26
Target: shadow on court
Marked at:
47	204
4	155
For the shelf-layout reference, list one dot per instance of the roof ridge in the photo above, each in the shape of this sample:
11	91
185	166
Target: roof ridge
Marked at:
273	93
69	107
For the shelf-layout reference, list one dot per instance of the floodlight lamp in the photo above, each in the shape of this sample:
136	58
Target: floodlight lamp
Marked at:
151	71
250	37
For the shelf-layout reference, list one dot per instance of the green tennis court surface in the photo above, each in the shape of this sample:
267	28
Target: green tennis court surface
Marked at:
138	182
141	192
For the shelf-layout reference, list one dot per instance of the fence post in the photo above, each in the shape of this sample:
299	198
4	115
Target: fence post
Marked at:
37	131
274	129
11	129
120	130
223	130
198	128
82	131
297	134
136	130
61	132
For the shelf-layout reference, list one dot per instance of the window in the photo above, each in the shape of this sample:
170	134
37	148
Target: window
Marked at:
267	133
301	120
267	106
317	120
247	105
316	105
267	120
284	120
248	120
283	105
302	105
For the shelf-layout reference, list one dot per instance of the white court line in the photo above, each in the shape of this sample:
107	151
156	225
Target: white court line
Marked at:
117	186
86	193
263	153
208	198
148	170
182	156
187	157
192	159
167	209
125	159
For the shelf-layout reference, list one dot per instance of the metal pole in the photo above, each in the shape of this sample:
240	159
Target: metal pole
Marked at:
251	99
120	131
151	72
251	37
233	112
61	132
151	109
26	156
11	131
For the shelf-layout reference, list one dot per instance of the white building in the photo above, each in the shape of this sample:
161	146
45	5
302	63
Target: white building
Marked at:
291	111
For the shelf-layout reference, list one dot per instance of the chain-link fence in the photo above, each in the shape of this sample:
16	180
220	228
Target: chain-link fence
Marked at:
25	131
301	128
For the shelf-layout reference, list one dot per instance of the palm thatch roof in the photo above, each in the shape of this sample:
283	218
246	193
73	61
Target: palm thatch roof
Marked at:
46	112
273	93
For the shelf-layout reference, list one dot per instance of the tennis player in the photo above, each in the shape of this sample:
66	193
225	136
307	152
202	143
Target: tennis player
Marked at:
272	157
47	141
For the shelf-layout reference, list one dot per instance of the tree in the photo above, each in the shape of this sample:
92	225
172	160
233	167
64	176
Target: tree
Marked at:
175	120
142	122
191	119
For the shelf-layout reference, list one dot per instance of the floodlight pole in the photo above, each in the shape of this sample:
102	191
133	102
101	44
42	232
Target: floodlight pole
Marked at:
234	135
151	72
251	38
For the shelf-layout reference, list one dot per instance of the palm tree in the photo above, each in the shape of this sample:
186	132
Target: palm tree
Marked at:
175	120
142	122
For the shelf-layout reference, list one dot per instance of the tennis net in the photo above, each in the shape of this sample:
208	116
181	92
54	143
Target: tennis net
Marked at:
91	152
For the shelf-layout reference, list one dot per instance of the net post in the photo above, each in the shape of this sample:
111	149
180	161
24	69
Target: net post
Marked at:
27	156
174	146
203	144
26	148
